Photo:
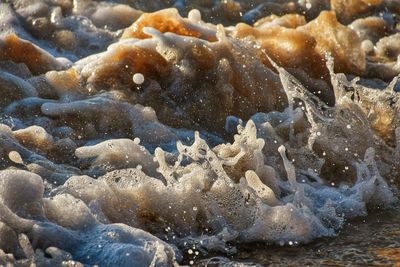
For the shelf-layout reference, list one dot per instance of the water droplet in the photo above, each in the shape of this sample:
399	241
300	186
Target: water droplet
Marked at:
138	78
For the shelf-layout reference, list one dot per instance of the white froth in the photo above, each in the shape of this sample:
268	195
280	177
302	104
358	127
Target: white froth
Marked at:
248	190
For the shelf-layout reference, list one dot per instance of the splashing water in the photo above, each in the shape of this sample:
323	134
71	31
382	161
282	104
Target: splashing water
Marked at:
227	143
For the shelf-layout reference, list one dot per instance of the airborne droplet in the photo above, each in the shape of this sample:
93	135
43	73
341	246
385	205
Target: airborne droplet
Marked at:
138	78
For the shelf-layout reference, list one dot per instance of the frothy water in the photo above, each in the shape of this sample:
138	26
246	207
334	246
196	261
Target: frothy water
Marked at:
150	139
